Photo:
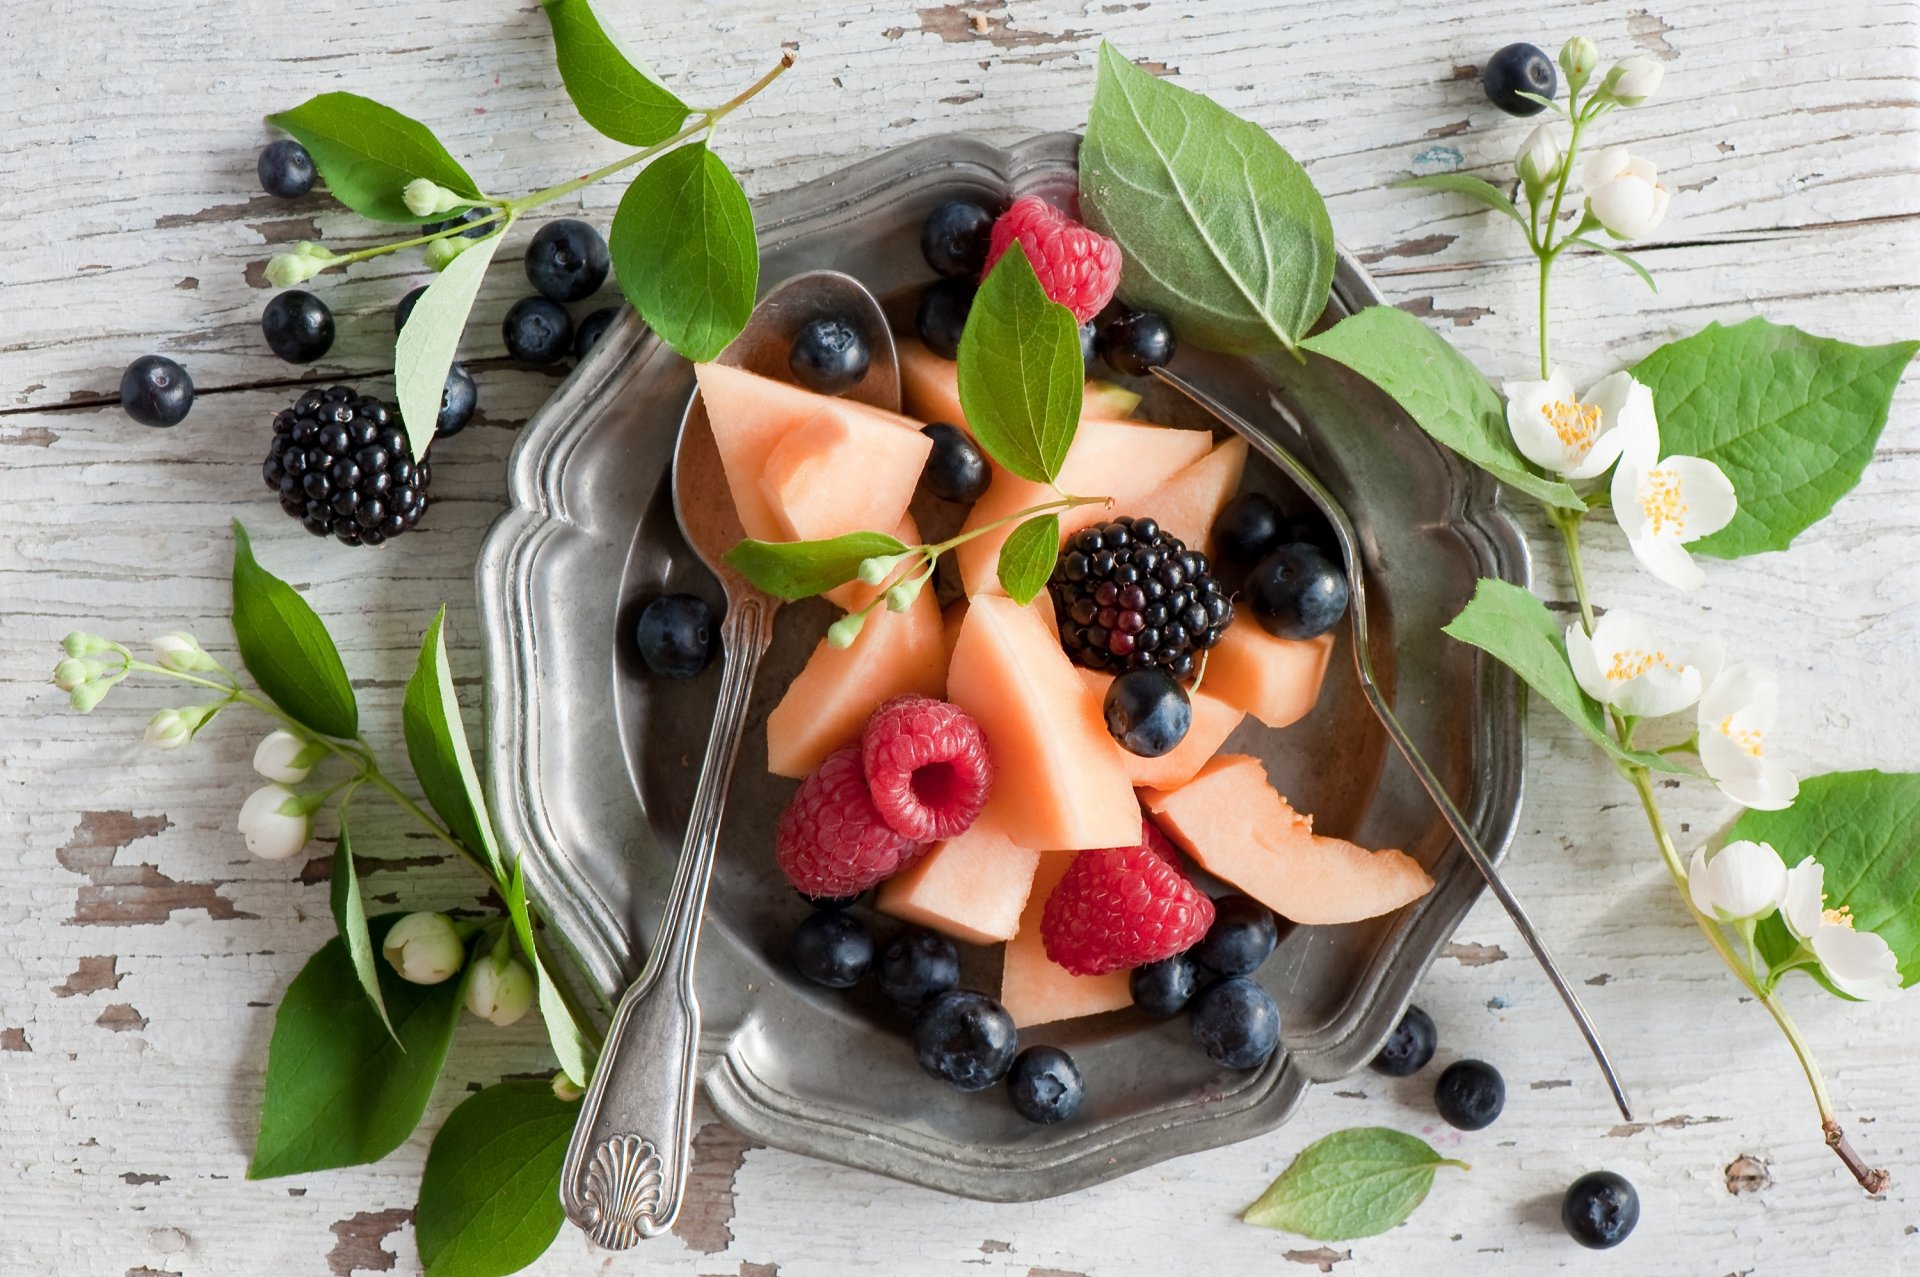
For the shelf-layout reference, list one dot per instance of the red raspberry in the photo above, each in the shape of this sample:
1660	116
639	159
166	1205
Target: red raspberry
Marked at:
831	841
1160	845
1077	267
1122	907
927	767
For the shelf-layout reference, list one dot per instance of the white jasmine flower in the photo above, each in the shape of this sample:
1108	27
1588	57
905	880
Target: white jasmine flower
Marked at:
1633	80
424	948
1736	713
1625	664
1858	963
1539	158
1743	880
282	756
1581	437
1662	507
1624	192
500	993
274	822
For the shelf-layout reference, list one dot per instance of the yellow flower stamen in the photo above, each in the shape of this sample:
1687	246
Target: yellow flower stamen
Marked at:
1750	741
1663	502
1841	917
1630	663
1575	424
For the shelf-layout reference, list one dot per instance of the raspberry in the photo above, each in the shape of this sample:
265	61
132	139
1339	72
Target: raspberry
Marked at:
927	767
831	841
1122	907
1077	267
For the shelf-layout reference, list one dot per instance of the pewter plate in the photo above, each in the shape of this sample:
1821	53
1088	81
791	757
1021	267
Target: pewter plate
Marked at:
593	766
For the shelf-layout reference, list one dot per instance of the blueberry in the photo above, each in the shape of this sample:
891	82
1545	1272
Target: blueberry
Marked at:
1409	1047
1044	1084
1236	1023
1517	69
457	400
1136	342
833	948
965	1039
285	169
466	215
1470	1094
405	308
1297	592
1600	1209
298	326
916	965
588	332
1243	935
1089	347
1164	988
954	239
676	634
1148	712
155	391
1248	529
829	356
566	260
943	315
955	469
537	330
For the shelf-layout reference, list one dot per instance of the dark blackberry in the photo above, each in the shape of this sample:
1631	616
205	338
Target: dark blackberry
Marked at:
1129	596
341	465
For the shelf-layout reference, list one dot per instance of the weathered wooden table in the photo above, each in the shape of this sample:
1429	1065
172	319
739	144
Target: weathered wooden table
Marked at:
142	950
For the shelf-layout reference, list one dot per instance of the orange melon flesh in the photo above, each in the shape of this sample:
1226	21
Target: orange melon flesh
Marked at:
1213	721
930	389
1056	783
972	887
1237	827
1124	460
1274	679
750	415
1033	987
829	701
851	596
843	470
1187	504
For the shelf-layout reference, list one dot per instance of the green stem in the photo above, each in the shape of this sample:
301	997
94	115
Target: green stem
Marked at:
1568	521
1045	507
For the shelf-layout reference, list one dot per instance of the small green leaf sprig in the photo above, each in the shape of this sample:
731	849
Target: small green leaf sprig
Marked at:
1355	1183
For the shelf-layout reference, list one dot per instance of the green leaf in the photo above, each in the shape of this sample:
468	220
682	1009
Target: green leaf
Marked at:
1353	1183
490	1197
1478	189
341	1090
1645	275
1791	418
350	920
287	649
437	748
684	249
1864	829
1021	373
570	1046
1515	628
802	569
425	349
1026	558
1440	390
610	92
1222	231
367	153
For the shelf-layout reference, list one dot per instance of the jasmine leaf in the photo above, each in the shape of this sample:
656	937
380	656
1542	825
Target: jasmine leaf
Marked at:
611	93
368	153
350	919
1026	557
437	748
1515	628
801	569
1222	231
490	1196
1444	394
683	247
425	348
287	649
1021	372
1478	189
1645	275
1791	418
1353	1183
569	1044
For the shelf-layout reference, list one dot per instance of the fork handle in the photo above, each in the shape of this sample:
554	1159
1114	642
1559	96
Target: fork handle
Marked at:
626	1166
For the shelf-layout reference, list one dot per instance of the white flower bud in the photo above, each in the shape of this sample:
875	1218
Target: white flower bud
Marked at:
1624	192
425	197
1539	159
1578	57
283	757
182	652
80	643
565	1089
284	270
424	948
844	631
876	569
274	823
900	597
441	252
502	992
168	730
84	697
71	674
1633	80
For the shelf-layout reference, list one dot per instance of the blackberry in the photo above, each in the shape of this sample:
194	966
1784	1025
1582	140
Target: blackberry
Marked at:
341	465
1129	596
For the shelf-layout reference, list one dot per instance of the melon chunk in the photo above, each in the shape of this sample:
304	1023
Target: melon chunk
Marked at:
1056	783
1187	504
830	700
1213	721
972	887
1274	679
750	414
1033	987
930	389
842	471
1237	827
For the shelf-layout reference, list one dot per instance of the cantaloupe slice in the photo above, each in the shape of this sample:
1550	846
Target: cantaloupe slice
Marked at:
1056	784
1213	721
830	700
972	887
930	389
1187	504
851	596
750	414
843	470
1033	987
1234	824
1124	460
1274	679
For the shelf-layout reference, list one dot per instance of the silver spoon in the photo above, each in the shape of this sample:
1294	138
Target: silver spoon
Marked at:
626	1166
1363	661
